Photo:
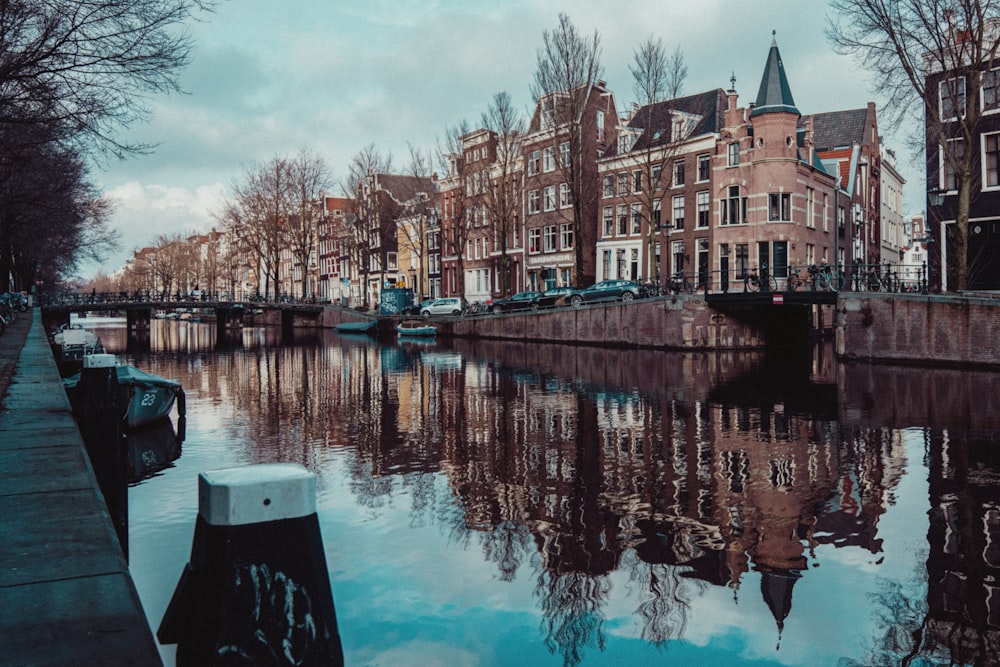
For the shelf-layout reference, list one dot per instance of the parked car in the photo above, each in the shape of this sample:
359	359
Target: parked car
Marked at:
609	290
416	308
519	301
446	306
554	296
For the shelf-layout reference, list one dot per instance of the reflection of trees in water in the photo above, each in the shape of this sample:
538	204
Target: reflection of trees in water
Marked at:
572	617
666	597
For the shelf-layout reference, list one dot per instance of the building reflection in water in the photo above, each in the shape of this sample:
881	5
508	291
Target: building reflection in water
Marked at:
685	471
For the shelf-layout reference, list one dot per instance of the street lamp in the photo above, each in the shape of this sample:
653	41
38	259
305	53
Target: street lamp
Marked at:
935	197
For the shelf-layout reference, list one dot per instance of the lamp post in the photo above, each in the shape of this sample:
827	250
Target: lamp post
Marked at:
935	197
664	229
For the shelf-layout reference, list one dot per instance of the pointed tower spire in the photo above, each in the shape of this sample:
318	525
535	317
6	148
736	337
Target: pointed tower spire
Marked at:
774	96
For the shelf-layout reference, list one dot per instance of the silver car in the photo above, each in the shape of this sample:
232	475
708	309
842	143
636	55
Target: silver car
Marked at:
446	306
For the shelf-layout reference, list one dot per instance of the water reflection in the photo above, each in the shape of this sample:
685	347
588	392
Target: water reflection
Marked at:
678	474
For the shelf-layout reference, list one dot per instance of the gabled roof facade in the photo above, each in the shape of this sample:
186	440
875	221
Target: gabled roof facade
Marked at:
708	107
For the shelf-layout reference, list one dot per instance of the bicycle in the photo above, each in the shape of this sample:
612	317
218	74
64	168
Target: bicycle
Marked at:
826	278
678	283
795	278
755	283
883	280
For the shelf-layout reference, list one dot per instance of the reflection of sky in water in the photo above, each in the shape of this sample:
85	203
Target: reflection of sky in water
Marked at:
413	585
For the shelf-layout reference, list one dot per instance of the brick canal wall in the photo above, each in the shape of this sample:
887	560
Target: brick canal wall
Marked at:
679	322
923	330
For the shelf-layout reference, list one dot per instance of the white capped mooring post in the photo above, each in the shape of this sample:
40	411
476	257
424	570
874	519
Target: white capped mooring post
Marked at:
256	588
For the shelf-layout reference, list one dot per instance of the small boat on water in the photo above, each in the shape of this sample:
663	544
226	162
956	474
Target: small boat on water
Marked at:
70	344
367	326
143	397
416	328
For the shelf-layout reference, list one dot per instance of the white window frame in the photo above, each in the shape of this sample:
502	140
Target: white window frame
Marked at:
548	159
608	220
609	185
705	159
677	176
550	238
733	154
677	205
566	236
703	202
945	94
549	198
996	160
534	241
533	201
533	163
993	74
944	171
564	154
565	196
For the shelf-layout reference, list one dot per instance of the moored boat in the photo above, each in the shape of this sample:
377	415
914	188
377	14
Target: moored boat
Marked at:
366	326
146	397
416	328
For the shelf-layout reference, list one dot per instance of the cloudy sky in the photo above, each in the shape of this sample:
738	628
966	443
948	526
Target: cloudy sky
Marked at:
268	78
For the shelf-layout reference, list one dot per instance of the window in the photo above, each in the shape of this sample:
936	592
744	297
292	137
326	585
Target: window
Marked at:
564	156
622	220
600	125
810	207
991	160
704	167
636	218
779	206
534	241
952	93
742	260
606	263
623	183
533	163
678	173
733	154
609	221
533	201
550	238
991	90
954	151
549	198
548	159
677	249
679	212
636	181
565	196
704	208
566	236
734	207
609	185
478	246
654	175
656	213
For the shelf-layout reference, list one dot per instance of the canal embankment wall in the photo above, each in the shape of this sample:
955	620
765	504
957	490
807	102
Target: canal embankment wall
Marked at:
914	329
67	593
938	330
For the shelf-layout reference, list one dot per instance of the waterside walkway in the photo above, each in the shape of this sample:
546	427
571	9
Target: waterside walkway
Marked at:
65	589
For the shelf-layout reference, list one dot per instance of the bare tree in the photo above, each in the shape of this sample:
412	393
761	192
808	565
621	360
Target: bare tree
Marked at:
908	46
308	180
257	214
455	227
364	240
677	71
567	66
502	196
91	66
419	213
651	81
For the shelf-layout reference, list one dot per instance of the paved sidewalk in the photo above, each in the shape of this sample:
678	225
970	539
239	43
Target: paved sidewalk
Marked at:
65	589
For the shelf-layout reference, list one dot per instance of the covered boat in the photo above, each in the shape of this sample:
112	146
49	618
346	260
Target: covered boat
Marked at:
416	328
144	397
366	326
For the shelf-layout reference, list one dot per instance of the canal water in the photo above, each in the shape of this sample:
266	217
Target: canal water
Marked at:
487	503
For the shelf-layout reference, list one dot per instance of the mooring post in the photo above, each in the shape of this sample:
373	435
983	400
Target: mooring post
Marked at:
256	586
100	421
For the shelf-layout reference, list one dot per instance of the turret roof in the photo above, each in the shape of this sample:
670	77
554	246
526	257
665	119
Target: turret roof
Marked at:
774	96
